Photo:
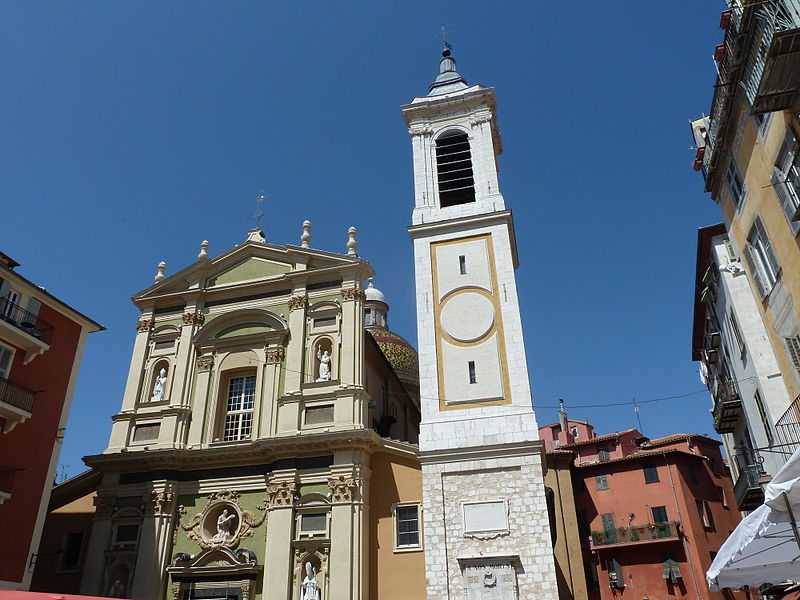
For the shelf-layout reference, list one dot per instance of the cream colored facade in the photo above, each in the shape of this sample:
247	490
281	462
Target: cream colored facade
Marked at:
749	156
237	457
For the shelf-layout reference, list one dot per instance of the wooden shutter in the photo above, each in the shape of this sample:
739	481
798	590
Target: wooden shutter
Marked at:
33	307
754	272
762	234
793	344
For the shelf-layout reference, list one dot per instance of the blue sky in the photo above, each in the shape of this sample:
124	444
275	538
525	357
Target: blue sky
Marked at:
132	131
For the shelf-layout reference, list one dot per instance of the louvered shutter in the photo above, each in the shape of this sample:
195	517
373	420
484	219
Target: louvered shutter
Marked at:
754	272
773	260
782	192
793	344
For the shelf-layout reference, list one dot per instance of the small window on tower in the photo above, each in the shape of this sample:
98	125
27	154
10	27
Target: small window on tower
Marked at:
472	376
454	168
462	264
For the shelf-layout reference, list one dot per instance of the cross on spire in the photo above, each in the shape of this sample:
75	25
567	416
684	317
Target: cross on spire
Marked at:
443	34
258	212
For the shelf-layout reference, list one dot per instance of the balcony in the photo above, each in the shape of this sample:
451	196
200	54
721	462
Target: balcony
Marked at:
774	68
637	534
727	407
24	329
16	404
747	489
6	483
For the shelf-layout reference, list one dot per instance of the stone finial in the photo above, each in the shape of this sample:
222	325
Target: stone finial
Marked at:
203	250
256	235
162	266
305	239
351	241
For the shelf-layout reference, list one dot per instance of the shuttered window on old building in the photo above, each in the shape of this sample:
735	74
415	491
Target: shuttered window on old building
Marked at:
454	169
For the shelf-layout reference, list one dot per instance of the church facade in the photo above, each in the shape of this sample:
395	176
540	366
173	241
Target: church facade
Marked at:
277	441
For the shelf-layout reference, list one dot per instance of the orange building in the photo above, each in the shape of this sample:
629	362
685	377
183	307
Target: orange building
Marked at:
41	345
651	513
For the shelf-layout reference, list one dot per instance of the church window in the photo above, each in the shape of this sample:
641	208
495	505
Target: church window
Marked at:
71	554
462	264
473	378
406	526
454	169
239	408
368	319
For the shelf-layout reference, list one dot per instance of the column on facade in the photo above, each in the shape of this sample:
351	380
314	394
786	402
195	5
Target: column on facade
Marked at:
99	537
200	408
348	568
270	390
155	543
280	520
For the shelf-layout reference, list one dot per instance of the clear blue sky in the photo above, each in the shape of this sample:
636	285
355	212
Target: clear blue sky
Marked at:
131	131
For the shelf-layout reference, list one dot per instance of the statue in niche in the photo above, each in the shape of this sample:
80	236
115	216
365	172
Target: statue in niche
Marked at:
158	388
116	589
224	526
309	590
324	366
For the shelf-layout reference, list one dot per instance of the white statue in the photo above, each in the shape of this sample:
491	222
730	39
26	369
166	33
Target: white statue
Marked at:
309	590
224	526
158	388
116	589
324	366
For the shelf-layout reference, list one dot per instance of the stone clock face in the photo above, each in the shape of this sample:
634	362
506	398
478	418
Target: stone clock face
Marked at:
467	317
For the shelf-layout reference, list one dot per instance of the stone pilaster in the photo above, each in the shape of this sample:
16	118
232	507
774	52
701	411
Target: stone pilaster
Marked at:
280	521
155	544
99	539
295	351
200	409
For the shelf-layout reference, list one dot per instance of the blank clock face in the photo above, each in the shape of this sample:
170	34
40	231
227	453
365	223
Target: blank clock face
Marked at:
467	317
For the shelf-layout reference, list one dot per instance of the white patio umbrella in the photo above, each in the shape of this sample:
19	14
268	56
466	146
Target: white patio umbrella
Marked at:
765	546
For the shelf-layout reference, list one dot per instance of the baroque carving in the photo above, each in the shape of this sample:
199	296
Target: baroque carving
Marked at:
281	493
480	118
276	355
193	318
297	302
342	488
103	506
223	522
204	363
420	130
349	294
144	325
160	503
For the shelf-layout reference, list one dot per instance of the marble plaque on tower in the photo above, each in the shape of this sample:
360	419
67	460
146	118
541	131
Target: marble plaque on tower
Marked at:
490	581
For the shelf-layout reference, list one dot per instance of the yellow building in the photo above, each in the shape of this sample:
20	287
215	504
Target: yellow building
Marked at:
748	152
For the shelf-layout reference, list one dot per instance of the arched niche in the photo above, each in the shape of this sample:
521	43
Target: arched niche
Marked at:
323	367
158	384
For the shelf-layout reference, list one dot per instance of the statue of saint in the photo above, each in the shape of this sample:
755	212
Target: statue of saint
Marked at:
158	388
309	590
224	526
324	366
116	589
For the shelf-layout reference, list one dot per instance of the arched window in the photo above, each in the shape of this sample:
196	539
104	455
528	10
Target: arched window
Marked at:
454	168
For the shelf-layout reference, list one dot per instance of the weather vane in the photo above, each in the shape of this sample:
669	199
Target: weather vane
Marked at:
259	213
443	35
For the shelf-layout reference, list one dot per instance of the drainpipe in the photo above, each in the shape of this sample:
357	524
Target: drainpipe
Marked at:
680	516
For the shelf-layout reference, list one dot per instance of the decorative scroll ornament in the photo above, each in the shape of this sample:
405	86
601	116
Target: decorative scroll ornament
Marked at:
161	502
420	130
281	493
276	355
204	363
223	522
103	506
480	118
296	302
193	318
349	294
144	325
342	488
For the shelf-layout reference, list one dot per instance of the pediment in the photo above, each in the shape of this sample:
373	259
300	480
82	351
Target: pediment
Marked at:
249	261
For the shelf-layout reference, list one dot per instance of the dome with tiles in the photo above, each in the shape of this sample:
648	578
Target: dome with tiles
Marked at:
400	354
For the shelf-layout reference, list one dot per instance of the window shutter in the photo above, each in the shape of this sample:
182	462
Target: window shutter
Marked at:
754	272
5	361
787	151
793	345
782	192
33	307
762	233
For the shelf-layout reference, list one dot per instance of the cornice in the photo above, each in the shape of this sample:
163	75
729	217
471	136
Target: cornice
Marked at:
447	455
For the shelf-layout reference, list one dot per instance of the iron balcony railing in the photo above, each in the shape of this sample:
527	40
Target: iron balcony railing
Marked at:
727	406
787	430
747	489
16	395
28	322
6	479
634	534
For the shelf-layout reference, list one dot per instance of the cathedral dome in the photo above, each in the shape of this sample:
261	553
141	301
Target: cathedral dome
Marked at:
400	354
374	294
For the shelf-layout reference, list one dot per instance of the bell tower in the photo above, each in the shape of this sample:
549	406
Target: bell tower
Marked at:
485	513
